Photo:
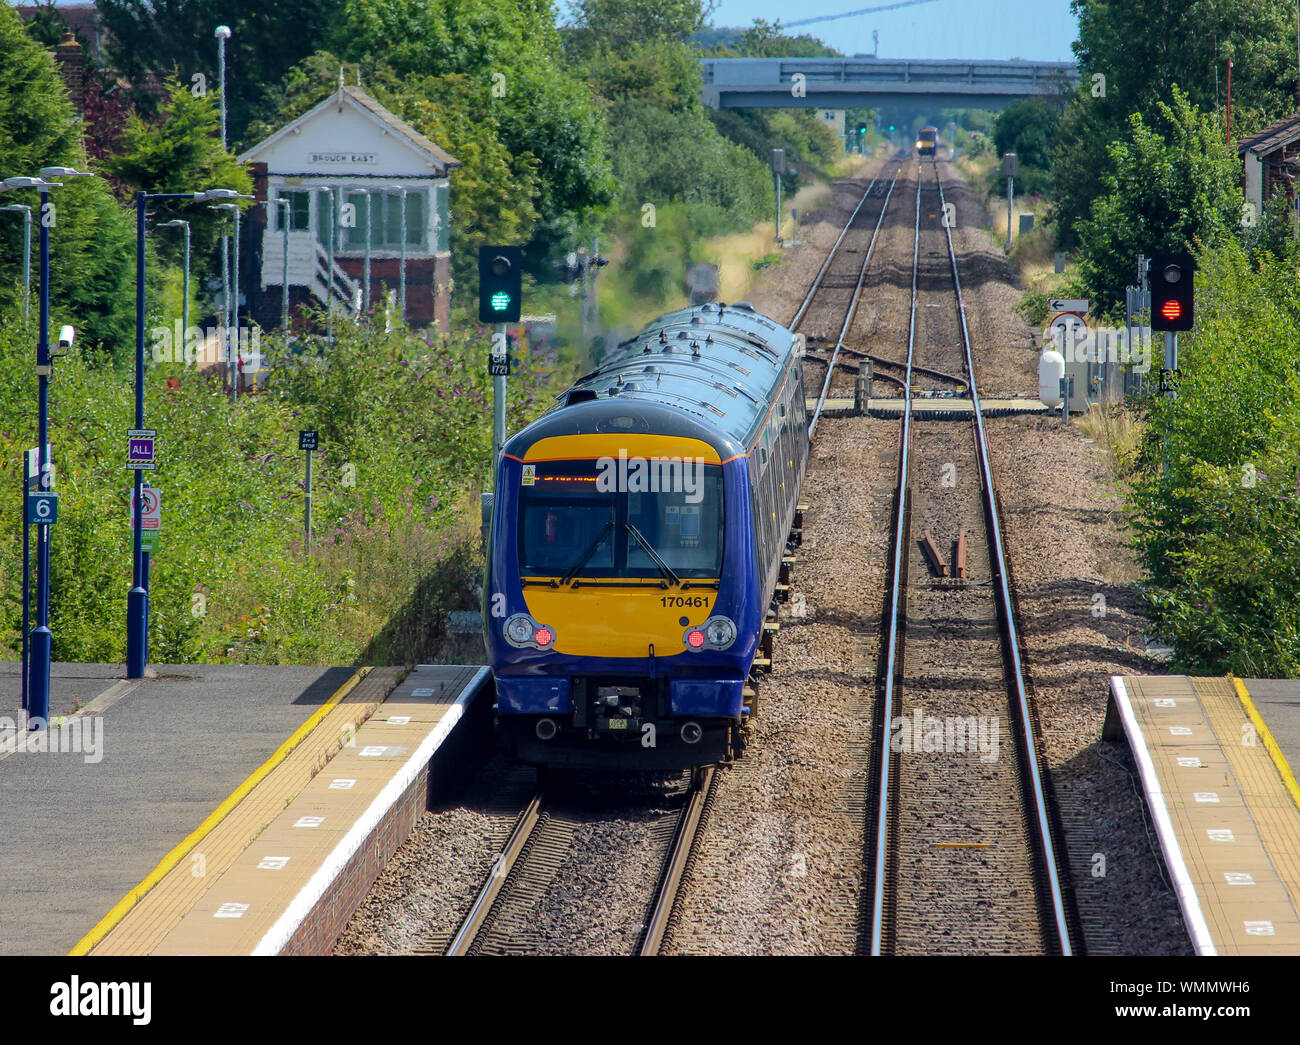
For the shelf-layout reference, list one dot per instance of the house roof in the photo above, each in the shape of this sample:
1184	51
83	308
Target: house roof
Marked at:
1273	137
364	103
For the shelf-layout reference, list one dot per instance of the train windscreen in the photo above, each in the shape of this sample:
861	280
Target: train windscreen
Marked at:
640	518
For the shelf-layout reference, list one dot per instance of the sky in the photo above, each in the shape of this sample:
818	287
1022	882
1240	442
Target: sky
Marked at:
1032	29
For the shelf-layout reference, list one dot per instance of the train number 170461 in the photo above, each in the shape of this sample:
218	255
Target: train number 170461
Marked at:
685	600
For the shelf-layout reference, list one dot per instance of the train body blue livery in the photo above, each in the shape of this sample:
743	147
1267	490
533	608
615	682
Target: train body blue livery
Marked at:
637	536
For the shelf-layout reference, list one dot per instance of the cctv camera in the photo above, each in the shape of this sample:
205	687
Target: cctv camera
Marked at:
66	336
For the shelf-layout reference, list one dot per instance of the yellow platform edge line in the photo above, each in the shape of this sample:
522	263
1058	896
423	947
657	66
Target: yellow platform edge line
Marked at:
1270	745
120	909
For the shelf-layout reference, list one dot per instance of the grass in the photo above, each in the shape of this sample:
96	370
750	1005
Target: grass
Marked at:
1119	430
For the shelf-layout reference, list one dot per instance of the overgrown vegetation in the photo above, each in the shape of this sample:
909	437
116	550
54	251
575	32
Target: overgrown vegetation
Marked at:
1216	489
405	428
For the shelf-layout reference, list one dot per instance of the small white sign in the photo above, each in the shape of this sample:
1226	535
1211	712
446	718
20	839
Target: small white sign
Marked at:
1220	834
231	910
310	821
1079	305
342	784
272	863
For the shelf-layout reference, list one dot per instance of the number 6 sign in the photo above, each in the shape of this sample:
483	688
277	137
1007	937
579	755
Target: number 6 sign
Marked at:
42	508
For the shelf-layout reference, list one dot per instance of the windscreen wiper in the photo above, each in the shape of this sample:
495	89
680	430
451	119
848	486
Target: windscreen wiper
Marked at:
663	567
591	550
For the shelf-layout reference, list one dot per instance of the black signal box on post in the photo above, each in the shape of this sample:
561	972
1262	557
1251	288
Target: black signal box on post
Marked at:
1171	279
500	284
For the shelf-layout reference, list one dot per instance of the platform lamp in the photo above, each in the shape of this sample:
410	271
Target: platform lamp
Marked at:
27	255
179	223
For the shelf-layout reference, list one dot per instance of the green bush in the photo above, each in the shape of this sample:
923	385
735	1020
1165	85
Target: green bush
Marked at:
405	430
1216	498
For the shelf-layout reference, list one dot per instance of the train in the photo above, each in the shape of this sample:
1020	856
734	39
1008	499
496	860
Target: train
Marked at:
926	141
638	535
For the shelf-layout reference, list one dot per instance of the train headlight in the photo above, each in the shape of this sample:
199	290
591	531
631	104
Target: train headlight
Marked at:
525	633
519	630
714	633
720	631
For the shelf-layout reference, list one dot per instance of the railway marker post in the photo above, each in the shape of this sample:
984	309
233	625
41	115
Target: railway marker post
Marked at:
1009	172
308	440
778	168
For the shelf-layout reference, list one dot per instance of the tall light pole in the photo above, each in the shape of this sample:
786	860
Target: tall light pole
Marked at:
365	293
185	299
225	279
401	294
282	205
41	642
137	599
329	280
222	33
27	256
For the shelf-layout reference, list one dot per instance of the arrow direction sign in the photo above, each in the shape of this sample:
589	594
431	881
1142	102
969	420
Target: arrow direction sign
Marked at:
1076	305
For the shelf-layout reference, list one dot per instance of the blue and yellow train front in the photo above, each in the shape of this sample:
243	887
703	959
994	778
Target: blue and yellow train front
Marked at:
622	606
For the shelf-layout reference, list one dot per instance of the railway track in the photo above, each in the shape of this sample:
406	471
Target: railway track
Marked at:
832	280
962	851
541	844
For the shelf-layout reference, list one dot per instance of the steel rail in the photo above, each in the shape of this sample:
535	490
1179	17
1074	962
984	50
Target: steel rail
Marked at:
679	856
853	308
1040	814
821	272
881	860
501	868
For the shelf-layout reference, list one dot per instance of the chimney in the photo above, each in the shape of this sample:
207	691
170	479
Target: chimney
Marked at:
72	67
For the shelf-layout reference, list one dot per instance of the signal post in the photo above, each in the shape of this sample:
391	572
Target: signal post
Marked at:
500	301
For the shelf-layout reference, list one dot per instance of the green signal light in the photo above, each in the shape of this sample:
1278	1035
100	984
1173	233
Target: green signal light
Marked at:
500	301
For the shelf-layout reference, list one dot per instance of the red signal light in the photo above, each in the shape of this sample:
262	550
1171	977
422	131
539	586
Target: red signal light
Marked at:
695	638
543	636
1171	310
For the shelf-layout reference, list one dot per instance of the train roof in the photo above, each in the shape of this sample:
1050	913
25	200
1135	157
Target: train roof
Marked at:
718	365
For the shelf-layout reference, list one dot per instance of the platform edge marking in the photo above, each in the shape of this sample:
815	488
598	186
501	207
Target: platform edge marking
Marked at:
1188	900
124	905
279	935
1270	745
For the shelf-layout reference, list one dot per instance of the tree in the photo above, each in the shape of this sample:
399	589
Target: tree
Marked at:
1130	55
512	54
180	152
617	25
175	37
1028	127
91	235
1162	194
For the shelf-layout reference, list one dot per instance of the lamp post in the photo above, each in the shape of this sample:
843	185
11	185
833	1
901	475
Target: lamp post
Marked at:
365	293
401	294
41	642
283	205
185	299
27	256
329	278
137	600
225	280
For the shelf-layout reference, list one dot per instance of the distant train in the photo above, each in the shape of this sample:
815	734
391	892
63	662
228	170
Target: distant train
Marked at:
637	536
925	141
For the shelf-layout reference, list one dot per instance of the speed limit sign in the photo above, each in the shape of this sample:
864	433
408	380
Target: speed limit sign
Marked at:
42	508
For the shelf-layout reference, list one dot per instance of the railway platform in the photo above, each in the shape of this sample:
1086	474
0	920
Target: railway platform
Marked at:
214	809
1214	757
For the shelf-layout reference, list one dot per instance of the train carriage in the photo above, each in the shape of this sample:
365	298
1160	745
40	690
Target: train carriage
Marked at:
637	536
926	141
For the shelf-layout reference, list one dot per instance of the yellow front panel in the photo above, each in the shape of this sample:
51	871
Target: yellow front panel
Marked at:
608	444
619	622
